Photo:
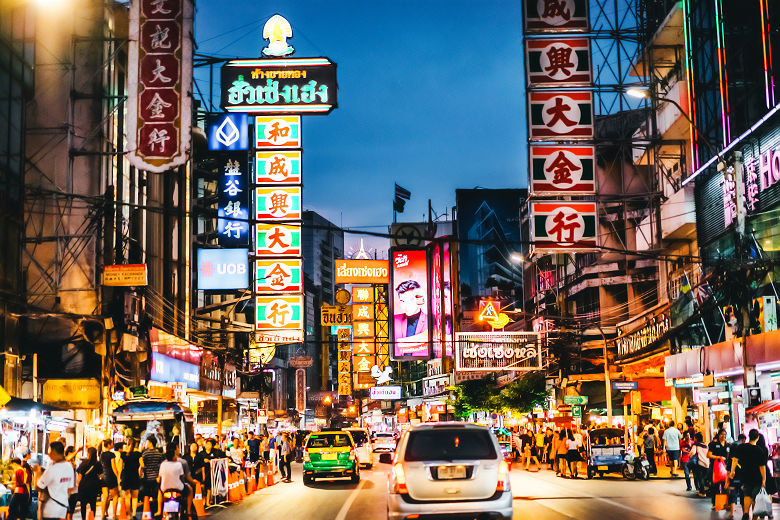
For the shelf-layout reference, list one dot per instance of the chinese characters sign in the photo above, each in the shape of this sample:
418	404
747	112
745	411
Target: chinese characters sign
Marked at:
279	312
560	115
278	203
158	83
278	167
277	132
344	361
562	170
278	275
564	226
556	16
233	207
554	62
278	240
279	86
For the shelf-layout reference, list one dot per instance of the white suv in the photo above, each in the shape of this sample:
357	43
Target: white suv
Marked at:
449	469
363	446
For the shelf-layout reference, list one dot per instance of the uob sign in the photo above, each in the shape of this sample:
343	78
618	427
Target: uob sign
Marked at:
223	269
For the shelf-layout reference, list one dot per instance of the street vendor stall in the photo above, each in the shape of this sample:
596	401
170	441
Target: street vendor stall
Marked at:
165	420
28	425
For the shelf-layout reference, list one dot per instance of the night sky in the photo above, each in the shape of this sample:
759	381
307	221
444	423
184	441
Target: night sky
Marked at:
431	96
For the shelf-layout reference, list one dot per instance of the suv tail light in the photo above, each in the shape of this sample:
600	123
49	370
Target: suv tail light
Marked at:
399	479
503	476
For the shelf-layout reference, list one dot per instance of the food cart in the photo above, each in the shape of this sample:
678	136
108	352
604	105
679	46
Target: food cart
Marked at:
167	421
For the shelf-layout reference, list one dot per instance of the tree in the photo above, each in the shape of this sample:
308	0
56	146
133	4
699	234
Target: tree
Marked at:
476	395
524	394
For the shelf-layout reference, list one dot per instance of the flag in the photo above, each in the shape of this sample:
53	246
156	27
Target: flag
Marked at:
402	193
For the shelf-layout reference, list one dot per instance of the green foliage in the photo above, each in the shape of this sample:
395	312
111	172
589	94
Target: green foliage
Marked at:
520	396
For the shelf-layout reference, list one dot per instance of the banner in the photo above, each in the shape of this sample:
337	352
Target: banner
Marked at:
159	79
409	285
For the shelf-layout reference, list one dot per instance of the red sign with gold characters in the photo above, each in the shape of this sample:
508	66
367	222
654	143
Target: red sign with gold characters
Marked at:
158	83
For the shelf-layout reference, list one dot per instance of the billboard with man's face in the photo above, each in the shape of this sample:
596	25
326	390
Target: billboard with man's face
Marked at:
409	285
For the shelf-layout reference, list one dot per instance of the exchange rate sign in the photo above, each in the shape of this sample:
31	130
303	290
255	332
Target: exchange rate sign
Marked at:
279	86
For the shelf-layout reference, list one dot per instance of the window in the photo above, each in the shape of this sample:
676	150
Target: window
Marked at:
460	444
330	440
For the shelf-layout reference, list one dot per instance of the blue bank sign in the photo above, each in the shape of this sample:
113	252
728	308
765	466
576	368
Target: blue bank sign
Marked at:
168	370
223	269
228	132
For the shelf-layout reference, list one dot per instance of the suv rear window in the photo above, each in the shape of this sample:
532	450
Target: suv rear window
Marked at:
329	440
359	436
454	444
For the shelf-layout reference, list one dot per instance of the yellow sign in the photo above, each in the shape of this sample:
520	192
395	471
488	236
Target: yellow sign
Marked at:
336	315
362	271
362	363
72	393
126	275
488	313
362	295
4	396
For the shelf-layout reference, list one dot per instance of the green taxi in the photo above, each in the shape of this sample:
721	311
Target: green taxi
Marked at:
330	454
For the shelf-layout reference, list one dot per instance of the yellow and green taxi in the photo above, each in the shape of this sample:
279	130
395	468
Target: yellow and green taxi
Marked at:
330	454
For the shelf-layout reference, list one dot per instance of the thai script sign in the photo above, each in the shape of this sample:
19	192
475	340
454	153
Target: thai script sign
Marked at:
282	203
497	351
335	314
652	330
564	226
158	83
560	115
274	275
277	132
558	62
282	167
384	393
279	86
233	203
72	393
562	170
556	16
362	271
227	132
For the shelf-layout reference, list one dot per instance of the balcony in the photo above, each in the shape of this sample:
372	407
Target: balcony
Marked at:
678	220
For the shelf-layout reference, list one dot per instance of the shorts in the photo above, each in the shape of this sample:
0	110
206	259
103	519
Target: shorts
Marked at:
573	456
751	490
673	454
130	484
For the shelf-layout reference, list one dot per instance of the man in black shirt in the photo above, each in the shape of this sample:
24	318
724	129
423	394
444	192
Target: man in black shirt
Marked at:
751	460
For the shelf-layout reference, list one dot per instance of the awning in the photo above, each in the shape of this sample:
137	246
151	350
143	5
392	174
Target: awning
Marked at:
651	390
15	404
769	406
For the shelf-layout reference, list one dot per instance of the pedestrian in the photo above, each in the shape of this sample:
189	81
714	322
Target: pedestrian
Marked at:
89	484
735	480
237	453
572	453
560	454
203	463
20	491
264	447
649	445
530	450
285	454
517	446
253	447
672	438
151	458
55	484
170	475
751	460
549	452
718	454
702	466
110	479
130	476
192	455
686	445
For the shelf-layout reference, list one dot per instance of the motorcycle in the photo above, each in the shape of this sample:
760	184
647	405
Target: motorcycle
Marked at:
636	467
173	505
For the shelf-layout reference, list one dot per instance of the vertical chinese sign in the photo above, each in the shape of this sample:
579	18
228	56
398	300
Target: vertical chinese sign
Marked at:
344	361
560	125
364	332
159	79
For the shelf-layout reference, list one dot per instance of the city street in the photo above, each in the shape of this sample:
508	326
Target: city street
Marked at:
537	496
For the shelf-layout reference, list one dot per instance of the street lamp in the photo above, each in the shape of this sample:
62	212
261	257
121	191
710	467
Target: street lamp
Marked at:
644	93
517	258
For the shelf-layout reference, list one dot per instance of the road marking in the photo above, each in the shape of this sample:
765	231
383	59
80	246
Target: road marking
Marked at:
345	508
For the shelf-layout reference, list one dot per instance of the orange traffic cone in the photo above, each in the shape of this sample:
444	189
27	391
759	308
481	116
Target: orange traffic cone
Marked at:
122	509
147	514
260	476
269	476
241	485
252	481
198	501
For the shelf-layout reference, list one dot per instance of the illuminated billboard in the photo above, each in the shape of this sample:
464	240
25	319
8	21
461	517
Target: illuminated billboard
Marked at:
362	271
227	132
441	299
223	269
409	284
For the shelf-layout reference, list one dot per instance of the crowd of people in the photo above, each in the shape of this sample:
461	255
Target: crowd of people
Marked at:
726	471
116	474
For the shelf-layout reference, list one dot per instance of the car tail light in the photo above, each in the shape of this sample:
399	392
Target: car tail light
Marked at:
400	478
352	455
503	476
306	457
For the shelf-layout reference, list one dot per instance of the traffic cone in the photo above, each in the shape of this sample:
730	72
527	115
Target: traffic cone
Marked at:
241	485
147	514
269	475
198	501
260	476
122	509
252	480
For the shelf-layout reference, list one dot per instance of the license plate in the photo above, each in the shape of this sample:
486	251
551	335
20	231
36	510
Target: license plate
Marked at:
450	472
171	506
645	463
603	468
330	456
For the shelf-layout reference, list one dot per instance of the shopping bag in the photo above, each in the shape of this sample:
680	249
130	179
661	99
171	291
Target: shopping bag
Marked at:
720	502
718	471
763	504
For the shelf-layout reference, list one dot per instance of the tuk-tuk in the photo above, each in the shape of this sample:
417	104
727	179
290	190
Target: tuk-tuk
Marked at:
606	451
166	420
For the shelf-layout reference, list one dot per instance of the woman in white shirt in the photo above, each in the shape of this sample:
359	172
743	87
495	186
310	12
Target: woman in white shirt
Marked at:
572	453
170	475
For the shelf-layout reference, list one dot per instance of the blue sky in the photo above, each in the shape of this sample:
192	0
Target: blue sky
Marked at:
431	96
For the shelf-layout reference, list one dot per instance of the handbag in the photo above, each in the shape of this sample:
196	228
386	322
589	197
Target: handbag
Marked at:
763	504
719	471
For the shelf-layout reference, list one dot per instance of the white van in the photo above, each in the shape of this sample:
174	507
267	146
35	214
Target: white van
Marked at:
365	450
